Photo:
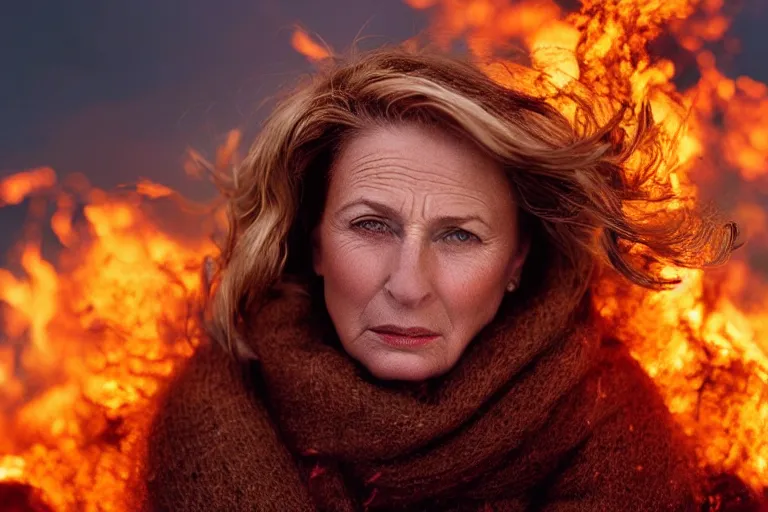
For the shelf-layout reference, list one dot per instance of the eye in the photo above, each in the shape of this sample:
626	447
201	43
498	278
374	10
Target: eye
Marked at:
371	226
461	236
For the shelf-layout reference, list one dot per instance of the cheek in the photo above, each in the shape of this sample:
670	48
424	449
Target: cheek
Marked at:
352	270
473	284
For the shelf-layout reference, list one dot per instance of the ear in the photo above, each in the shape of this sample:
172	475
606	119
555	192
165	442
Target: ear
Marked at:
317	253
516	265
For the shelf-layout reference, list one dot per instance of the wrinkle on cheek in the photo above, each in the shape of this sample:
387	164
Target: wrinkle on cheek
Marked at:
345	243
345	246
476	273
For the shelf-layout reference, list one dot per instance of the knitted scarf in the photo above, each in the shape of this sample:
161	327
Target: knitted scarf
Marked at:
537	414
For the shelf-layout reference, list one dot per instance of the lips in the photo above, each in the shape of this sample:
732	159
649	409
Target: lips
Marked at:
404	337
412	332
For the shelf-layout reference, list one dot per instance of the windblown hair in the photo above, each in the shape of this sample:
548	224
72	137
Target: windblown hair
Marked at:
571	179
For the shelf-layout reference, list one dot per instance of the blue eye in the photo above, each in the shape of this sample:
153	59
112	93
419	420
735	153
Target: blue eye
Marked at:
460	236
373	226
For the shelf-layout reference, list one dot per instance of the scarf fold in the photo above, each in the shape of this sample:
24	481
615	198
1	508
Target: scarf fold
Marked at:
538	414
408	444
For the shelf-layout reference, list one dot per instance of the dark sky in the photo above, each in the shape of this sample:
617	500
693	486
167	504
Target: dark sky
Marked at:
119	89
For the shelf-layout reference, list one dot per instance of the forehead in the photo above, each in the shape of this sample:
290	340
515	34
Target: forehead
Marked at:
417	159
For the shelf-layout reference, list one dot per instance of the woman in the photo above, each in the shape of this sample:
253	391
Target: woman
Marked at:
403	308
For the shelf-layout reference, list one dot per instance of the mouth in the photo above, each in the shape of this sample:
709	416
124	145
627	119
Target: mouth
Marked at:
413	332
397	336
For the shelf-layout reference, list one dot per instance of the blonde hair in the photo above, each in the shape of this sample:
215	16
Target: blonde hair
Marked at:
570	178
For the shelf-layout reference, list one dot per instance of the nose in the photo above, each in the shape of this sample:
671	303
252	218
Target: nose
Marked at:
409	280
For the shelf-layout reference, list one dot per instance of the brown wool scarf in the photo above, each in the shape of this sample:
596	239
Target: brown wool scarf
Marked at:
536	415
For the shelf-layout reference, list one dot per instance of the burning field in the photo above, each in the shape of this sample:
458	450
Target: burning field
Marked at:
94	324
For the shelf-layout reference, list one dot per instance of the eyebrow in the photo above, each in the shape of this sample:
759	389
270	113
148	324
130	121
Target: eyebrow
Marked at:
391	212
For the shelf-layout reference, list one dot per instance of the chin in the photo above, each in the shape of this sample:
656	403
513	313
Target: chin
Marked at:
402	366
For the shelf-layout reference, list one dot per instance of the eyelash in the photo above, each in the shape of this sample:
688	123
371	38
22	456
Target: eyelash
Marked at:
382	228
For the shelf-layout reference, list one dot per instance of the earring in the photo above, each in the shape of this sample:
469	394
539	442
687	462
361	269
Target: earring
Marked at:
512	286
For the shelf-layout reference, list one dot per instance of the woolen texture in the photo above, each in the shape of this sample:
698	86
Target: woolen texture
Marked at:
538	414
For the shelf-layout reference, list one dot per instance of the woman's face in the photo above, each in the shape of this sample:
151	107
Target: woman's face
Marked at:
416	246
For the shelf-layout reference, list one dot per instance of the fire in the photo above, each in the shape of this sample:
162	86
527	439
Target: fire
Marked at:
704	342
91	340
15	188
91	335
304	44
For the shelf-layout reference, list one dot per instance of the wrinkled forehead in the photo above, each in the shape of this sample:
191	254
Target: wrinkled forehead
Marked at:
419	161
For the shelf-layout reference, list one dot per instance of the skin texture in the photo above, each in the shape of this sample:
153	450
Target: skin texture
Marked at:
391	250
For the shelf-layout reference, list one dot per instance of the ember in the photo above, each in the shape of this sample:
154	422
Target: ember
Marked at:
89	337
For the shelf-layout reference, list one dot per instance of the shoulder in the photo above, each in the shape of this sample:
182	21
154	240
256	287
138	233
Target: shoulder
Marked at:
636	458
212	441
636	405
209	395
627	382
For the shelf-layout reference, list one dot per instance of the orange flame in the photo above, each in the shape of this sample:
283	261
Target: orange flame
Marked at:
93	334
304	44
703	342
153	190
105	328
14	189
